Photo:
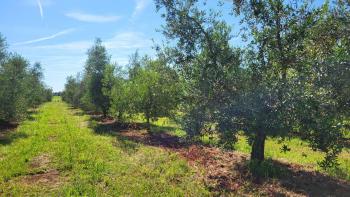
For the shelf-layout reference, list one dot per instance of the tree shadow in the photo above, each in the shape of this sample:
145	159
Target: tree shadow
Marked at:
31	114
126	145
8	134
78	113
286	180
293	179
137	132
162	129
312	183
108	126
112	127
9	137
7	126
162	140
347	143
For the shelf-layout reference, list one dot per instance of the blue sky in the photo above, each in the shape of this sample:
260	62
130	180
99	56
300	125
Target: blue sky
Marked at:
58	33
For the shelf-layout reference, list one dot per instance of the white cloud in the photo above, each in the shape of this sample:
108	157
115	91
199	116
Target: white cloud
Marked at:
68	58
70	46
140	6
40	9
92	18
40	4
124	40
61	33
128	40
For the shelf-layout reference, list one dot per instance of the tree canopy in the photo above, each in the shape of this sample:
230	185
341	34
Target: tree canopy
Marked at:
21	85
289	79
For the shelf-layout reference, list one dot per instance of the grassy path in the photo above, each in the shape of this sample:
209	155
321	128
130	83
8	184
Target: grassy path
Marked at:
59	151
55	153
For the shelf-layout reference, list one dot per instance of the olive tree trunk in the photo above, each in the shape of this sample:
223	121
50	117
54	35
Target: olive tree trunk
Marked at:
258	147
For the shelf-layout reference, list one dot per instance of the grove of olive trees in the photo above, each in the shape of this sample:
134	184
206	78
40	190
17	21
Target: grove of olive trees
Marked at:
291	79
21	85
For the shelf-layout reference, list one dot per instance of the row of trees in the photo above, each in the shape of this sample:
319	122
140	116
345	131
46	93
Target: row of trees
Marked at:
292	78
148	86
21	85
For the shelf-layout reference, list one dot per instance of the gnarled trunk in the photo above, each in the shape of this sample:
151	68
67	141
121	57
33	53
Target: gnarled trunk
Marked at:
258	147
257	155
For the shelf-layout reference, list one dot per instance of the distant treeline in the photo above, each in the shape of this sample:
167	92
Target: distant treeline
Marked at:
21	85
291	78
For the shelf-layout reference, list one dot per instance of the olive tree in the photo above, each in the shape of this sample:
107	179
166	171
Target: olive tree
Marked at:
73	91
155	89
21	85
277	89
209	65
95	67
13	87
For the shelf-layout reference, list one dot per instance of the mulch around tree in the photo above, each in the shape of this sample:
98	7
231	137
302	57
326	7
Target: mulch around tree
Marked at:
227	172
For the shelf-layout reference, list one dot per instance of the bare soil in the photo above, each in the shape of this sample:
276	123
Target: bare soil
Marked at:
48	178
41	161
42	174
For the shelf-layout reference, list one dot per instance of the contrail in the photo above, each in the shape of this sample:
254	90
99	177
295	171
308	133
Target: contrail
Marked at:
45	38
40	9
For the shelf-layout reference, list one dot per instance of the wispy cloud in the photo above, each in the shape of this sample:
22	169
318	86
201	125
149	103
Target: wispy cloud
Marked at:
61	33
92	18
40	9
124	40
140	6
69	46
67	58
128	40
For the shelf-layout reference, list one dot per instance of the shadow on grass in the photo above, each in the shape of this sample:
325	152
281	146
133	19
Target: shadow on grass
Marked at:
230	171
294	178
347	143
7	134
112	127
136	132
126	145
7	129
78	113
8	138
31	114
7	126
162	129
223	168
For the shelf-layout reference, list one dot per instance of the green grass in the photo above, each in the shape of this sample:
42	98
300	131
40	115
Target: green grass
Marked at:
88	164
57	138
162	124
300	152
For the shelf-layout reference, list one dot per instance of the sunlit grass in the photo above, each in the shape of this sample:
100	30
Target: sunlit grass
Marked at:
89	164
